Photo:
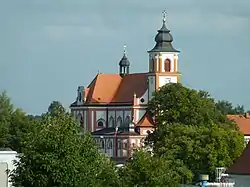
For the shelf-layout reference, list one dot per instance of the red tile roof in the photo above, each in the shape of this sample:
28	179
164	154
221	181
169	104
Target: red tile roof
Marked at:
242	164
243	122
146	121
112	88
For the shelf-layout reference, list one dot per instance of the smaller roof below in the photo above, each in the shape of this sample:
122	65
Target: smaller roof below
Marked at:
146	121
242	121
242	164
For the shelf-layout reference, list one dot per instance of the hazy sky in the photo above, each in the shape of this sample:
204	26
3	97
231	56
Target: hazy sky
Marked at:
49	47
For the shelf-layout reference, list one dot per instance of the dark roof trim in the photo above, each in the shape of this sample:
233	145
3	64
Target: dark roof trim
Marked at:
102	104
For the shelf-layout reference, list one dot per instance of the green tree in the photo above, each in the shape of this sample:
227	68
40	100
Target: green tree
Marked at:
19	126
14	123
144	170
6	109
227	107
54	155
239	109
55	108
190	128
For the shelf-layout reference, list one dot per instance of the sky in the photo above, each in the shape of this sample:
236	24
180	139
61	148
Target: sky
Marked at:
49	48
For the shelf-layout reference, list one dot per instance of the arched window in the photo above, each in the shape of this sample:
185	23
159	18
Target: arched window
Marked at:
101	123
119	121
111	122
79	118
152	64
102	144
167	65
127	121
109	144
119	144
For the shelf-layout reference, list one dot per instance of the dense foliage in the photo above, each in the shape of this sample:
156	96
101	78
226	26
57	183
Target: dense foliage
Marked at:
193	136
144	170
14	123
191	128
227	107
54	155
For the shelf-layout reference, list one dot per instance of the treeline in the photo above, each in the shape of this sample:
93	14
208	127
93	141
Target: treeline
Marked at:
193	137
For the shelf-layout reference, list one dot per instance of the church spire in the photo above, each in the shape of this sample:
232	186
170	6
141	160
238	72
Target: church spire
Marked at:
163	38
124	63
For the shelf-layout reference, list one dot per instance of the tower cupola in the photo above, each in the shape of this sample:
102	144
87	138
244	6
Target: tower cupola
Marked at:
124	64
163	39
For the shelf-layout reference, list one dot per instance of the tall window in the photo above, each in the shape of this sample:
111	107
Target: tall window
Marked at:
119	144
152	65
127	121
80	118
109	144
119	121
167	65
111	122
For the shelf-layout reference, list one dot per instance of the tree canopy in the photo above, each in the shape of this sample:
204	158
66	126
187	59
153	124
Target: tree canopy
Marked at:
14	123
144	170
227	107
190	128
55	155
56	107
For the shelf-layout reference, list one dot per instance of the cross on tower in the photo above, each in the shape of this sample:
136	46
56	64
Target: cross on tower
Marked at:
124	49
164	15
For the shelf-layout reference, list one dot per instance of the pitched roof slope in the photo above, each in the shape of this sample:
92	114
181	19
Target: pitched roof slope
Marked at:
132	83
103	88
112	88
242	164
242	121
146	121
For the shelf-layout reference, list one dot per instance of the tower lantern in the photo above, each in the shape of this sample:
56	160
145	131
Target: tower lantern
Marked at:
124	64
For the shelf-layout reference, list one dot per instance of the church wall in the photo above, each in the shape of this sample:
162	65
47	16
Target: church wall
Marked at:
90	116
167	79
85	119
122	146
144	130
93	115
144	99
127	113
165	56
151	86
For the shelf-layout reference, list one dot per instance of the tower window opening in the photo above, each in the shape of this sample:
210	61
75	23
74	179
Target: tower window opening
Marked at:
167	65
153	64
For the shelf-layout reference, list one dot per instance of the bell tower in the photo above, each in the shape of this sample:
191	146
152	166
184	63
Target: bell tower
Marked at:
163	60
124	64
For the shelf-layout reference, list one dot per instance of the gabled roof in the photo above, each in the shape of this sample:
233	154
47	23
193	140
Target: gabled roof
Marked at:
112	88
146	121
242	121
242	164
103	88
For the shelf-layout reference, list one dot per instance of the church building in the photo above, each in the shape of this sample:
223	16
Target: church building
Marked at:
113	107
